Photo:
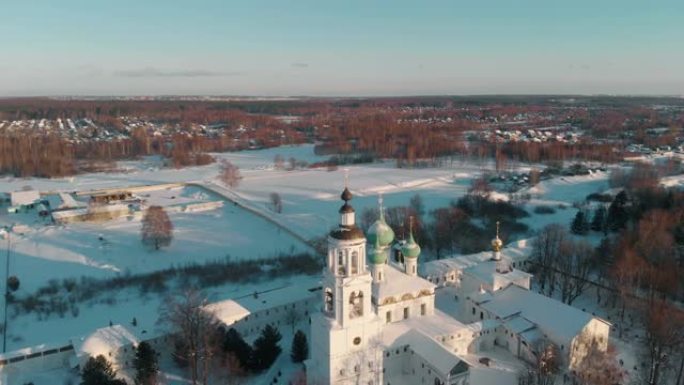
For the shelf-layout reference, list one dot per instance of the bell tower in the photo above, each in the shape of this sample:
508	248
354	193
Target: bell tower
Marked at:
346	290
343	333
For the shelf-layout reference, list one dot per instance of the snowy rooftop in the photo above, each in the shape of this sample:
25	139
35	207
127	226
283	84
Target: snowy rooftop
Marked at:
514	252
24	197
432	327
398	283
433	352
487	273
553	317
104	340
232	310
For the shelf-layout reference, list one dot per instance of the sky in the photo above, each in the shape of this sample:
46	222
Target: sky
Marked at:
341	48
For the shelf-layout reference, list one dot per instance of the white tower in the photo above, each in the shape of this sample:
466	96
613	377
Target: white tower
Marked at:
343	334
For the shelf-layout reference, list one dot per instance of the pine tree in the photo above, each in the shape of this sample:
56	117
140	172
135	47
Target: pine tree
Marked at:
266	348
598	223
145	364
235	344
300	347
98	371
580	226
617	212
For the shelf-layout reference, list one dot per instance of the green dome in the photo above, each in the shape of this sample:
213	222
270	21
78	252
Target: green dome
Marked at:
378	255
410	248
380	232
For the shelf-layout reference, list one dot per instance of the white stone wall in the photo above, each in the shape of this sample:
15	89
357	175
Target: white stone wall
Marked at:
414	306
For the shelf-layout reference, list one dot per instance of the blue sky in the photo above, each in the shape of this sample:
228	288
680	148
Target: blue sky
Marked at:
328	48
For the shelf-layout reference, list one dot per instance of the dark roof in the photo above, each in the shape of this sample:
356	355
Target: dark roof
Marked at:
347	233
346	195
346	208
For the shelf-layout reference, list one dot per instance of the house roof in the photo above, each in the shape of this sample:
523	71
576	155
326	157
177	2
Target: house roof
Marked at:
555	319
514	252
24	197
234	309
439	357
104	340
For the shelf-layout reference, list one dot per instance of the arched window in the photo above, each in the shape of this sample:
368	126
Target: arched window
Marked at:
356	304
340	262
328	300
355	262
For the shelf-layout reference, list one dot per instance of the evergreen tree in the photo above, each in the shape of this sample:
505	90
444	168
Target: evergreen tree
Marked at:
580	225
145	364
300	347
598	223
266	348
98	371
235	344
617	212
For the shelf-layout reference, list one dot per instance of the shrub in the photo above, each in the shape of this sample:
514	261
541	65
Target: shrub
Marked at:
543	209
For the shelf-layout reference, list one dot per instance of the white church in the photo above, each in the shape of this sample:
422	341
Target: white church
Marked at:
378	322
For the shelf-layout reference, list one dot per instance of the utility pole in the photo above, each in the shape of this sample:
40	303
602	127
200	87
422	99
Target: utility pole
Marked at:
7	264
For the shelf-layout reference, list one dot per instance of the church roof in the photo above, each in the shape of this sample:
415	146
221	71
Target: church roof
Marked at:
397	283
486	272
346	195
347	233
517	251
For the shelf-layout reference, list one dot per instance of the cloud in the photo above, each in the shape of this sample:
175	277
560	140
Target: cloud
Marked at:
300	65
151	72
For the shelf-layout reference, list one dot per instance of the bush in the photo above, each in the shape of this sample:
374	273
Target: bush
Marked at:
544	210
597	197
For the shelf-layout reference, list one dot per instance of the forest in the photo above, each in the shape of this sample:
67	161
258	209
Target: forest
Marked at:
416	132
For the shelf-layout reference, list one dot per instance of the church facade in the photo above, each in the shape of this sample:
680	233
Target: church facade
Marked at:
378	323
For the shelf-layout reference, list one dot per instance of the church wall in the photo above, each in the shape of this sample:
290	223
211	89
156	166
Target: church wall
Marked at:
415	308
596	332
276	316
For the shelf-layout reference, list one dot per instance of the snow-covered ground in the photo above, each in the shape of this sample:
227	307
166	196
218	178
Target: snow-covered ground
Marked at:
310	203
106	249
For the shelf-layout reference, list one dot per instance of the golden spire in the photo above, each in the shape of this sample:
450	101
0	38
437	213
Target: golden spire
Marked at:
497	244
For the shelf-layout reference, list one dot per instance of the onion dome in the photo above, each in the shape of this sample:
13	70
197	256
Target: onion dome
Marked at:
497	244
347	229
346	195
410	248
380	232
378	255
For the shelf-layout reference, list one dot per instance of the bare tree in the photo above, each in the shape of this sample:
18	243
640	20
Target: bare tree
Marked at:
664	337
276	202
229	174
195	331
278	162
545	368
235	373
573	269
157	229
600	367
546	250
480	186
292	316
